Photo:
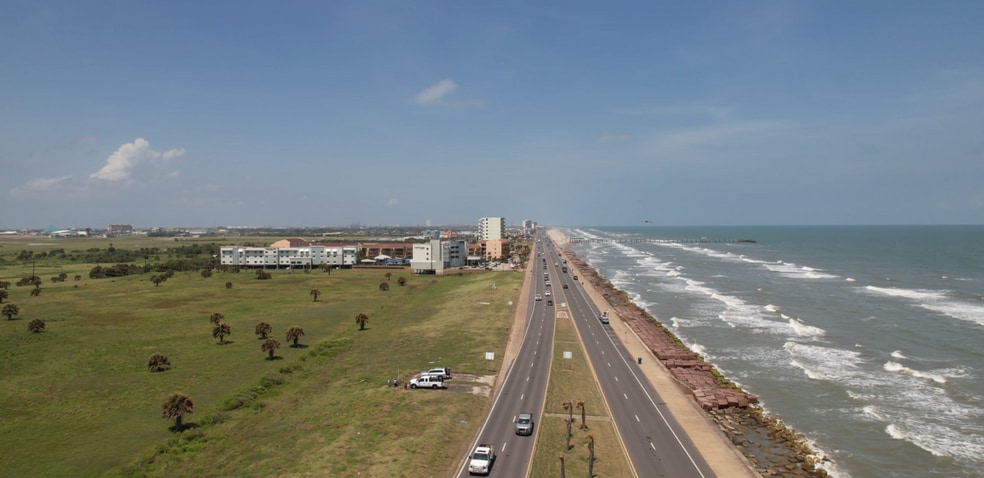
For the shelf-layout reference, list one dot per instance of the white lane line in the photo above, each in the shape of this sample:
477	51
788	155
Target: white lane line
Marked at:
652	446
626	396
637	419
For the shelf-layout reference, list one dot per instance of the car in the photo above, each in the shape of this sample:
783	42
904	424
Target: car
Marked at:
575	277
549	302
603	317
539	297
565	285
546	293
524	424
443	372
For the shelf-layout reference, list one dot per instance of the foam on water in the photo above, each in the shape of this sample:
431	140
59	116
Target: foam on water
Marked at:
897	367
936	301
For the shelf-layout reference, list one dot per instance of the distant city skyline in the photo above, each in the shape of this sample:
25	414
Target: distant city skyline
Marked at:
575	113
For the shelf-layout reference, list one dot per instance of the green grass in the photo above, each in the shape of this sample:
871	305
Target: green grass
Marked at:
572	379
78	400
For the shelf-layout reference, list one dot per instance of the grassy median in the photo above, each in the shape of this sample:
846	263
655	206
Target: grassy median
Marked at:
571	384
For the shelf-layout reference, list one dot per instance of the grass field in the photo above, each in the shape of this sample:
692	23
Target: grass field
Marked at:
77	399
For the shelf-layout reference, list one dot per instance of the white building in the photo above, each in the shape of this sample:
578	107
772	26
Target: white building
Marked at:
295	257
491	228
434	256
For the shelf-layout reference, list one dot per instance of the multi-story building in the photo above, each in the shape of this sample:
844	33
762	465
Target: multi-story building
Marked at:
434	256
118	229
293	257
491	228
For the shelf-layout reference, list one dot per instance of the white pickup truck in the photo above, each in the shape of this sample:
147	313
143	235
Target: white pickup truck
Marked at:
481	460
428	381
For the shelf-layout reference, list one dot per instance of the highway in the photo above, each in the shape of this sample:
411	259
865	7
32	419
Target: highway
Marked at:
654	441
523	389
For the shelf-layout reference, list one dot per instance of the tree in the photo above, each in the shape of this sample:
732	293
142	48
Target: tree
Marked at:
228	285
158	280
158	362
570	420
215	318
262	329
384	286
270	345
62	277
562	474
402	281
220	331
78	277
361	319
3	295
591	456
294	333
36	326
388	275
315	293
35	292
262	274
567	445
206	273
176	406
580	404
10	310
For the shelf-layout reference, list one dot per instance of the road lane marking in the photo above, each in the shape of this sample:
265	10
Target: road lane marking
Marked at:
637	419
652	446
625	395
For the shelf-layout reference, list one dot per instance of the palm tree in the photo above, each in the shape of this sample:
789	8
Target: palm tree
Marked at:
36	326
568	436
383	286
35	292
315	293
215	318
158	362
361	319
270	345
402	281
570	409
591	456
294	333
580	404
220	331
176	406
562	466
10	310
262	329
3	295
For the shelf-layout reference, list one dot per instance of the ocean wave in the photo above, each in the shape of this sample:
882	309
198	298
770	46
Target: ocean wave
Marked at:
897	367
804	330
794	271
898	354
936	301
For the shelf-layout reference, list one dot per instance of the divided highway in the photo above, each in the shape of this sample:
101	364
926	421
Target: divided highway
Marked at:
654	441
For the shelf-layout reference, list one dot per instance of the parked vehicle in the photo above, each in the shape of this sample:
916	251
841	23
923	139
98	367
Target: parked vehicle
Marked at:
481	460
524	424
443	372
428	381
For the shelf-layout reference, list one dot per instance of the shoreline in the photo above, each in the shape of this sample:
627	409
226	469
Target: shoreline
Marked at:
733	433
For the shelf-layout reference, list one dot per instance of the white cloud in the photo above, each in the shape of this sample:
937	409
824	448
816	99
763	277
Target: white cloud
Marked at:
45	184
392	202
136	156
682	141
435	93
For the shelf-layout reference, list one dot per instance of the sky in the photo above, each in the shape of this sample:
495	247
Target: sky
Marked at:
569	113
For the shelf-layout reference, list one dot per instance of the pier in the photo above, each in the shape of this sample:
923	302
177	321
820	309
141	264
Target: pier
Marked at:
630	240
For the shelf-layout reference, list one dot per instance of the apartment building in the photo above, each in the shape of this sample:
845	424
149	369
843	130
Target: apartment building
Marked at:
491	228
284	257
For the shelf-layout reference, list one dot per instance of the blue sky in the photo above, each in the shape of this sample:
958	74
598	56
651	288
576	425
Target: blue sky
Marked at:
441	112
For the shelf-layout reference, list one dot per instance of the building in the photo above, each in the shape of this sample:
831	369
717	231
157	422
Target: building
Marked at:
434	256
119	229
288	257
291	242
491	228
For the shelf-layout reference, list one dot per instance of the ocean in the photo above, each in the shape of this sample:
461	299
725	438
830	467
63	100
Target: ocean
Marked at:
867	340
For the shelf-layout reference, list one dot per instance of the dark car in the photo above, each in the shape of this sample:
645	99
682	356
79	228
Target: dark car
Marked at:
550	302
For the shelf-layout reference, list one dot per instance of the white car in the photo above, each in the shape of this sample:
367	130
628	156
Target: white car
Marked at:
539	297
547	293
